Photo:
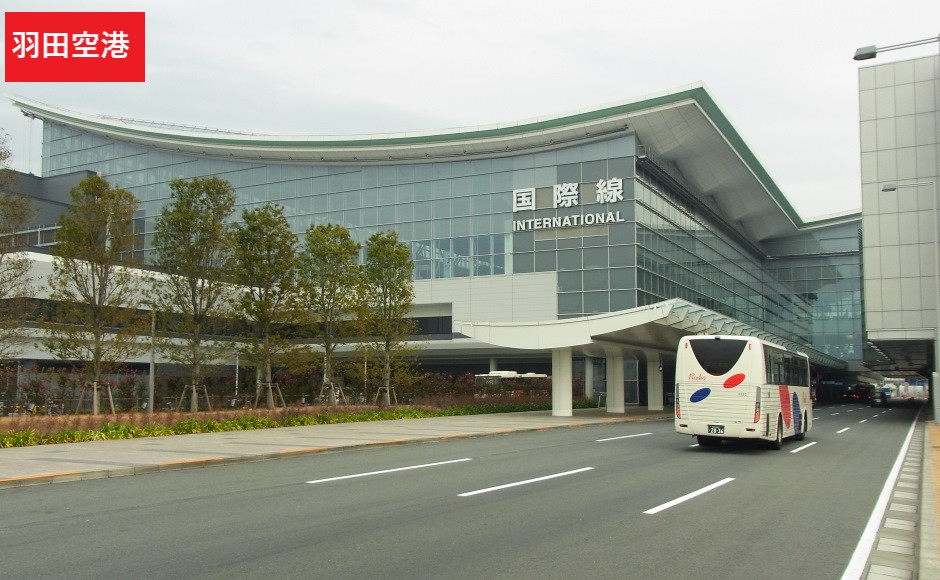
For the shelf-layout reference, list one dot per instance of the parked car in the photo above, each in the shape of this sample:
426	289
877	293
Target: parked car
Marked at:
879	399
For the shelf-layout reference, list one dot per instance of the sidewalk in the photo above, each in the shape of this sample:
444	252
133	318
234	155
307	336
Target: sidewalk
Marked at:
41	464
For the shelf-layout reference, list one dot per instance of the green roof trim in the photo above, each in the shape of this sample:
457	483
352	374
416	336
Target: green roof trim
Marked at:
697	94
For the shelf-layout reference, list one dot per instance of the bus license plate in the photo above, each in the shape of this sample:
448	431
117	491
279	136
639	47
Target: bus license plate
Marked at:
716	429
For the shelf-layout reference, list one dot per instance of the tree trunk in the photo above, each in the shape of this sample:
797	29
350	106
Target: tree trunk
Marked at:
267	379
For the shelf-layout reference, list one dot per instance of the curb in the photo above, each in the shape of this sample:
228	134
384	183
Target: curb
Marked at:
15	482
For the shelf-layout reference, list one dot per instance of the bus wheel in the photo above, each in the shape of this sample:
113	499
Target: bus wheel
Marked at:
802	434
705	441
778	442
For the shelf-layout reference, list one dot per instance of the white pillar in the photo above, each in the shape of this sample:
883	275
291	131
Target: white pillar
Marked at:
588	377
615	383
493	365
654	382
561	382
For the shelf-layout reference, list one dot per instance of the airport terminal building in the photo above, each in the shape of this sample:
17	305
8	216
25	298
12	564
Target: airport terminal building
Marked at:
582	245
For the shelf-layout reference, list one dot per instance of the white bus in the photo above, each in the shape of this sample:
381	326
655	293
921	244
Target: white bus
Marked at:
740	387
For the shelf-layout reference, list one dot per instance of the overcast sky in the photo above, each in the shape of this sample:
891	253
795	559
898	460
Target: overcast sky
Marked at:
782	71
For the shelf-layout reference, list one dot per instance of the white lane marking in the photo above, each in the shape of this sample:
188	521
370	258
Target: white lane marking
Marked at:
694	445
863	420
798	449
834	414
850	410
389	470
860	557
517	483
688	496
623	437
842	430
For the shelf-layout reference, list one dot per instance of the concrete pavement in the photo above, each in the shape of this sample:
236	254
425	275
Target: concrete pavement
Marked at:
906	545
40	464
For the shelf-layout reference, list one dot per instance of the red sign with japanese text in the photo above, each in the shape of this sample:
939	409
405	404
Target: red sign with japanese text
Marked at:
74	47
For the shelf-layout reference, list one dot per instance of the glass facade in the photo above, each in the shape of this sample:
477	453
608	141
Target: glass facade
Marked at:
822	268
464	219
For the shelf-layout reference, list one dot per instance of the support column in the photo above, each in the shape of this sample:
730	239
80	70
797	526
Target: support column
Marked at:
561	382
654	382
615	383
493	365
588	377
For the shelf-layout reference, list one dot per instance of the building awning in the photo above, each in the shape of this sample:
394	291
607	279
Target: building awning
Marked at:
653	328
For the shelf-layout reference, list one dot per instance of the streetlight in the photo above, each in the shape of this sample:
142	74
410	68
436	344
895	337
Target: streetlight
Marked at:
153	358
934	394
868	52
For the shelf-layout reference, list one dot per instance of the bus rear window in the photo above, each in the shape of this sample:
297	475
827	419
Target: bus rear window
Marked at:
717	356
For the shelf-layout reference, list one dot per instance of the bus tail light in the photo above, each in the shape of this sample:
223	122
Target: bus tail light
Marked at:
675	398
757	406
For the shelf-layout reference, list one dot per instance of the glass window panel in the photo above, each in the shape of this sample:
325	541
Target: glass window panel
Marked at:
442	189
501	181
569	281
480	204
481	184
460	226
423	172
461	206
442	208
442	170
461	246
595	258
499	243
423	229
523	178
523	262
422	270
499	264
569	303
442	228
569	259
591	171
405	212
461	186
522	242
336	201
523	161
460	168
594	279
620	167
483	266
502	164
482	246
622	278
545	261
570	173
622	300
501	202
405	192
480	166
595	302
422	210
370	177
423	191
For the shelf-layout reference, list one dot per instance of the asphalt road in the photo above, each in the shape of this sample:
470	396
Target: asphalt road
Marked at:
599	502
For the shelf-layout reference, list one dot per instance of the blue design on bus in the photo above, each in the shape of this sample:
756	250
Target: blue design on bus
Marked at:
797	416
700	395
